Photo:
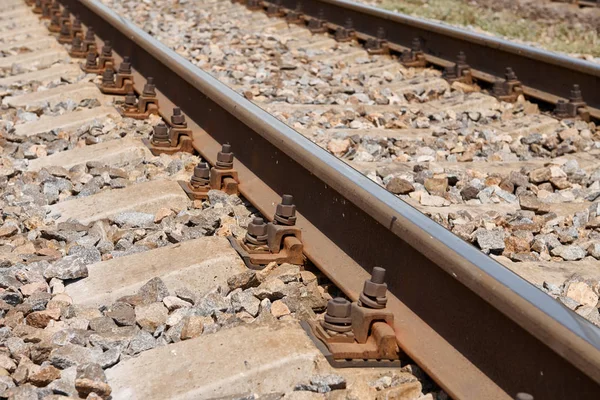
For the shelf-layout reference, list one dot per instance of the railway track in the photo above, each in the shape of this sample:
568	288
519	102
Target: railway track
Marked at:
120	233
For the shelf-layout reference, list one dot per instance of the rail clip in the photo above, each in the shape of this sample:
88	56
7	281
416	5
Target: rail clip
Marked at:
359	334
279	241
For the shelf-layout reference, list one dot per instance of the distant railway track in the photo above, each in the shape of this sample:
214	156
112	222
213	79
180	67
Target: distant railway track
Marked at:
476	328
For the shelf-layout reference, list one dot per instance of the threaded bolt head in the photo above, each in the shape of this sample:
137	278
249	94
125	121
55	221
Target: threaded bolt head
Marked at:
225	157
160	131
108	76
257	227
510	74
339	307
107	49
415	45
177	118
90	60
285	212
130	99
125	67
202	170
149	88
89	35
576	95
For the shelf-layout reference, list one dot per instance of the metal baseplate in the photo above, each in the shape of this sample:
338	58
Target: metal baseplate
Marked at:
359	334
346	363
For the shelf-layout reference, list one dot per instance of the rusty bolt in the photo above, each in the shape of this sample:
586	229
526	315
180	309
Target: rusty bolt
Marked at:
55	7
285	212
523	396
65	31
225	157
125	67
510	74
76	44
54	20
415	45
130	100
349	25
576	96
160	133
201	176
461	59
90	61
561	110
77	23
337	317
375	289
65	12
498	88
257	232
45	10
89	35
149	88
178	118
107	49
108	76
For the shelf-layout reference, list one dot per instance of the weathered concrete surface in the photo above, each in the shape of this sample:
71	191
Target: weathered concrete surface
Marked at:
146	197
42	58
19	23
67	72
66	122
23	32
75	92
247	358
113	152
198	265
31	44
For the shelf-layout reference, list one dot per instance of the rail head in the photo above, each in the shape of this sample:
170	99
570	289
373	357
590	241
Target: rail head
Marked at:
549	323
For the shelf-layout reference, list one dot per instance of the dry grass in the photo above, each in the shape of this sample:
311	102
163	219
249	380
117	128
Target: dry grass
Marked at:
552	35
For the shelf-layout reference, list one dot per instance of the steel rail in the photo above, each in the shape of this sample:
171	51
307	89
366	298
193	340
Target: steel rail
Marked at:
475	327
545	75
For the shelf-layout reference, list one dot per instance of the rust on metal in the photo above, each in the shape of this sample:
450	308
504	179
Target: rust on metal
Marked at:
122	84
415	56
279	241
97	64
378	44
345	33
254	5
274	10
144	106
54	26
574	108
66	35
76	27
77	50
361	331
460	71
173	139
456	279
509	89
89	40
37	8
199	185
295	16
223	176
46	12
317	25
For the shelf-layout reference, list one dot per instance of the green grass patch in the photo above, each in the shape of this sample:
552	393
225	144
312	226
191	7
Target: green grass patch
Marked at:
557	36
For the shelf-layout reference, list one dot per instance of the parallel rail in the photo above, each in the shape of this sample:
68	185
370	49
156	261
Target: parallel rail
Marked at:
546	76
476	328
